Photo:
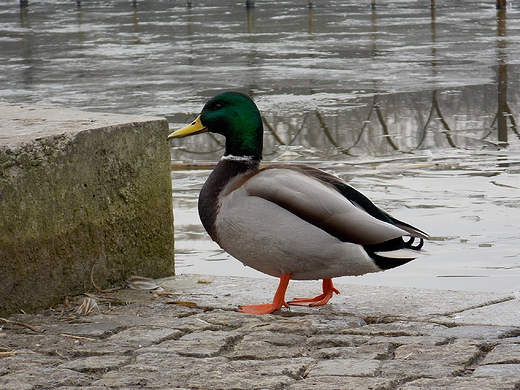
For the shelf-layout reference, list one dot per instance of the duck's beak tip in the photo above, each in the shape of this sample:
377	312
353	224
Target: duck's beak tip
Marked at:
194	127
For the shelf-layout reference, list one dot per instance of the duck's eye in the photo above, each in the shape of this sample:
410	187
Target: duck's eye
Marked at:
217	106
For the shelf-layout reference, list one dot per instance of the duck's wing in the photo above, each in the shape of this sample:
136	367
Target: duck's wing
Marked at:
320	203
360	200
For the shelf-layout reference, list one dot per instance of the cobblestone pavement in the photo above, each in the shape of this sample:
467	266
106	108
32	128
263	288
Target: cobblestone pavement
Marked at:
366	338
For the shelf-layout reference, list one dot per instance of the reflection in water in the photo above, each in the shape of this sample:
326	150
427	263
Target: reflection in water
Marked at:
379	126
136	17
311	20
502	110
415	105
250	20
435	108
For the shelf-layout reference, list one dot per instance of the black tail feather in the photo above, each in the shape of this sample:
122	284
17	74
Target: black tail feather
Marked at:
392	245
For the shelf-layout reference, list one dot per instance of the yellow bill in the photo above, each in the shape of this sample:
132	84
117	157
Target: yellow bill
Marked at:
194	127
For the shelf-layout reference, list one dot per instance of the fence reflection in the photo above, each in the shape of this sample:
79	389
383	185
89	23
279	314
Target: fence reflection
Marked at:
464	118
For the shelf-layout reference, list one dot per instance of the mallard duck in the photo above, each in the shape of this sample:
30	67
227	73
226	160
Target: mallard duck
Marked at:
290	221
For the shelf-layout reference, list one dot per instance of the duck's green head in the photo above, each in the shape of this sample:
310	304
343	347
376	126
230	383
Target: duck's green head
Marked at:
236	117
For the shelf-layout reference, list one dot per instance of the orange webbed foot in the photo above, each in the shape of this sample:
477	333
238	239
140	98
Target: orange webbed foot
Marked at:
267	308
278	300
322	299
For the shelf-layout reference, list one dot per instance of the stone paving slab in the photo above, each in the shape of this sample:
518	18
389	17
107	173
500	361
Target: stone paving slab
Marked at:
195	339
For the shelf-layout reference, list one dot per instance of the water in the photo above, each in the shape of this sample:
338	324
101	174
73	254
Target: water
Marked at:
403	101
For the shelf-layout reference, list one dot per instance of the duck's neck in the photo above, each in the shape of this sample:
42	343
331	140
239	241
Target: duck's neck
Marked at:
244	135
228	168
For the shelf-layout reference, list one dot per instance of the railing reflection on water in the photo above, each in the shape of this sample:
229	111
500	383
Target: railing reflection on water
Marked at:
503	112
383	125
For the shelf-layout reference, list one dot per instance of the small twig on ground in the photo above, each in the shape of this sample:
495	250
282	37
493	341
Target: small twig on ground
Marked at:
70	336
33	328
7	353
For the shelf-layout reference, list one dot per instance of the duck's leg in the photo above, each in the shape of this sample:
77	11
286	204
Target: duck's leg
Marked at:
278	300
322	299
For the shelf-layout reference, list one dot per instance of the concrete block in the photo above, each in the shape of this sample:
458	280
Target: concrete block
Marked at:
80	192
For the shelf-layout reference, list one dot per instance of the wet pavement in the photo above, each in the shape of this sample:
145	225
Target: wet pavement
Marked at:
190	336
